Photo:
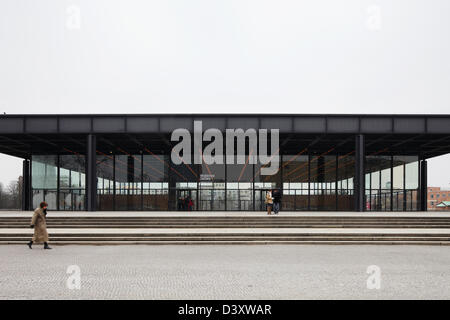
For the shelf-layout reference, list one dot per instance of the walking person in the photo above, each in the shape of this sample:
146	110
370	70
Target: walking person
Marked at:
38	222
276	194
269	202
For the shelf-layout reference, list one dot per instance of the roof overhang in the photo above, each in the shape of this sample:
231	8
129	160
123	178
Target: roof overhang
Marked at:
427	135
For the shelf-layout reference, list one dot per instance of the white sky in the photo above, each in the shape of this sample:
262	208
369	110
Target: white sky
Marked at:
253	56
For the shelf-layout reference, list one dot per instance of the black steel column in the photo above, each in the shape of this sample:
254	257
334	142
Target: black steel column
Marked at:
58	182
91	174
130	178
142	181
392	184
173	200
26	185
309	181
359	173
423	186
320	178
336	178
404	205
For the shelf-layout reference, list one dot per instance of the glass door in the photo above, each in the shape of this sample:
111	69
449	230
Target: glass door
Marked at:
186	200
260	200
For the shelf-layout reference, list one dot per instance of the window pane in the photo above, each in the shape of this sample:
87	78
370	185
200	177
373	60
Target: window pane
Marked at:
44	172
128	182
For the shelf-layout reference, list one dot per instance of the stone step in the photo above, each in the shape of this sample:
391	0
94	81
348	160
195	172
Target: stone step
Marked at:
233	230
228	236
232	242
246	225
234	233
230	218
224	220
237	241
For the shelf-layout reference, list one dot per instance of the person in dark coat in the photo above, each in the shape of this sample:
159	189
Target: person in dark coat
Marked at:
180	204
186	203
38	222
276	195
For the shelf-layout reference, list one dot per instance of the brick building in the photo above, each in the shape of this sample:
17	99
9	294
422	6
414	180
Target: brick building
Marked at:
436	196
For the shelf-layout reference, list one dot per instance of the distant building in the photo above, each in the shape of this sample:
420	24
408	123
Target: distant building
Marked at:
444	205
438	199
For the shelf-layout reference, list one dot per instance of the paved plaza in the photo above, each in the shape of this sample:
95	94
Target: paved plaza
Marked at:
224	272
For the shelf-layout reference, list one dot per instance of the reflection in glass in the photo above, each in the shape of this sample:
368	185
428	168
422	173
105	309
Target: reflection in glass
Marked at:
105	182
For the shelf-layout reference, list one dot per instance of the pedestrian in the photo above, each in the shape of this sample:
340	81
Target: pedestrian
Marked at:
183	204
276	194
269	202
38	222
186	203
180	204
190	204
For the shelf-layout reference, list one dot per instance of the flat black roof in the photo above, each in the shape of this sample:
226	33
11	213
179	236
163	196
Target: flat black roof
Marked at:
427	135
165	123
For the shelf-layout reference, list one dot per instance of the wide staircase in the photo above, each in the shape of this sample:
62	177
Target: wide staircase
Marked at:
239	229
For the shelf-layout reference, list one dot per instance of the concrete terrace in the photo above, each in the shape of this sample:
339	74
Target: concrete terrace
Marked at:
418	214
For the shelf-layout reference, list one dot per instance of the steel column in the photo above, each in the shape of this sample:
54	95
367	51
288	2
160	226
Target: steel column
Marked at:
423	186
26	187
359	173
91	174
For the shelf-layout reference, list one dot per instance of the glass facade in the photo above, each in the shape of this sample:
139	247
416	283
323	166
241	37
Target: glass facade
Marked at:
59	181
392	183
72	182
44	169
148	181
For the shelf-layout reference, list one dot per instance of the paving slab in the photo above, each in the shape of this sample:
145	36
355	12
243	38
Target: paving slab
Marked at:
225	272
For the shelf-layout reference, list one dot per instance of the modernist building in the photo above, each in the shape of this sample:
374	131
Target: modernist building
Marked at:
123	162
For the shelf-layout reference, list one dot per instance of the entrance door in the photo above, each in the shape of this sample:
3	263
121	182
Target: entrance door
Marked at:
211	200
183	197
260	200
239	200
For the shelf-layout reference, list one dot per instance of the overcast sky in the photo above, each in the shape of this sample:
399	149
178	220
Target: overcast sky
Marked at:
254	56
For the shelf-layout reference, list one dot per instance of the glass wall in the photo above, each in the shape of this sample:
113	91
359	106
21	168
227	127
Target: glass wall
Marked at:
155	182
211	188
72	182
345	182
152	182
128	182
59	180
295	178
323	177
105	182
131	182
239	187
411	202
44	181
392	183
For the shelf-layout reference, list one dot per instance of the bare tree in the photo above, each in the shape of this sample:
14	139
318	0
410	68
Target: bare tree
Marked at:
11	197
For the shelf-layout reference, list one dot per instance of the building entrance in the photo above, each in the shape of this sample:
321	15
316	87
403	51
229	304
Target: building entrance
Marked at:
260	200
184	197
